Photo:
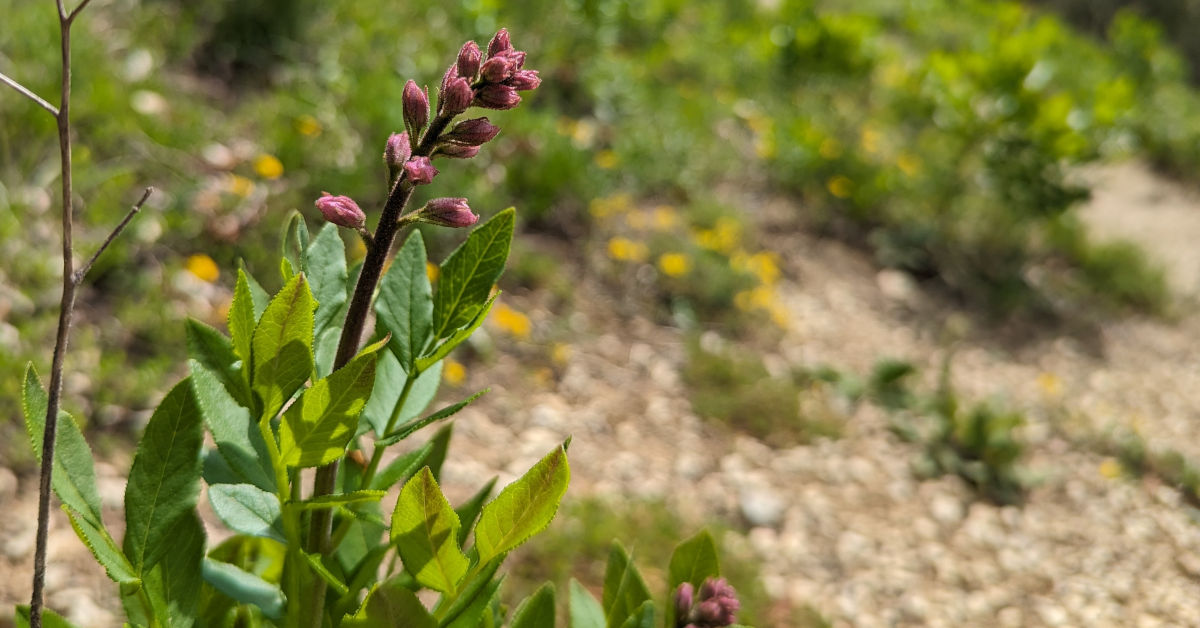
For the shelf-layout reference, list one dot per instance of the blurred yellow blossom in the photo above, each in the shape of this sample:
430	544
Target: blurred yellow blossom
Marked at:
560	353
830	149
240	186
268	166
1110	468
665	217
610	205
607	159
723	237
511	321
454	372
763	265
626	250
869	139
203	267
908	164
1050	384
432	271
674	264
308	126
840	186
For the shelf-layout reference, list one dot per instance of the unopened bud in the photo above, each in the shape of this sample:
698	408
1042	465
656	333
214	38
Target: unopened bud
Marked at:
458	151
398	150
472	132
447	212
416	108
341	211
469	58
499	43
493	96
497	69
420	170
524	80
456	98
683	601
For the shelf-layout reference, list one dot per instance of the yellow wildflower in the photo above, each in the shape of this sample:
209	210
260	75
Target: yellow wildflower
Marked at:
840	186
869	139
1050	384
763	265
560	353
511	321
432	271
626	250
908	164
665	217
203	267
240	186
308	126
674	264
454	372
607	159
1110	468
605	207
268	166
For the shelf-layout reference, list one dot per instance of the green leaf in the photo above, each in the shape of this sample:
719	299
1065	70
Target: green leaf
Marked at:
319	568
586	612
406	430
74	477
50	619
212	349
282	345
391	604
458	337
524	507
402	467
294	245
164	481
248	509
258	296
478	603
104	548
537	611
425	531
317	427
693	561
243	318
451	610
469	511
642	617
441	446
405	303
624	589
238	439
174	584
386	394
343	499
326	272
244	587
467	276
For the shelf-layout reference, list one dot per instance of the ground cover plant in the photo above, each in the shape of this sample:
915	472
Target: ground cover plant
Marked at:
292	387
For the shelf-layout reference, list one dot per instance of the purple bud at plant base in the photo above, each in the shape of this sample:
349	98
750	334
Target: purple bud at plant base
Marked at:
397	151
416	108
718	604
493	96
447	212
524	80
499	43
472	132
341	211
683	601
420	170
456	98
458	151
497	69
469	58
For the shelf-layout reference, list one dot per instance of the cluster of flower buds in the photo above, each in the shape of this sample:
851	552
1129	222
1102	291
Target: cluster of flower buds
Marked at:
715	607
491	82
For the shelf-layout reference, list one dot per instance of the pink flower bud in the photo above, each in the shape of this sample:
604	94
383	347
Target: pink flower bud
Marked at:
398	150
447	212
420	170
458	151
416	108
341	211
683	601
499	43
456	98
472	132
515	57
497	69
524	80
469	58
494	96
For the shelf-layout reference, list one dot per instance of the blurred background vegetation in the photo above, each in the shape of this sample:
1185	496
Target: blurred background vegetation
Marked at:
939	135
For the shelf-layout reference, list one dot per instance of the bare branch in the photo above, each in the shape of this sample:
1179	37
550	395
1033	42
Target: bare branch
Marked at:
75	12
28	93
78	276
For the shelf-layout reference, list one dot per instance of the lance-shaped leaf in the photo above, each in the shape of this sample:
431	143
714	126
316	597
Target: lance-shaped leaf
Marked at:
244	587
402	468
425	531
212	349
406	430
586	612
242	319
173	585
389	384
693	561
104	548
642	616
326	271
458	337
248	509
342	499
282	345
624	589
391	604
467	276
524	507
74	479
317	427
537	610
405	303
164	480
239	441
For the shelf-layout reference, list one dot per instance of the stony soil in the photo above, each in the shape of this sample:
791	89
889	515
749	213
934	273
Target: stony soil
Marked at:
843	525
